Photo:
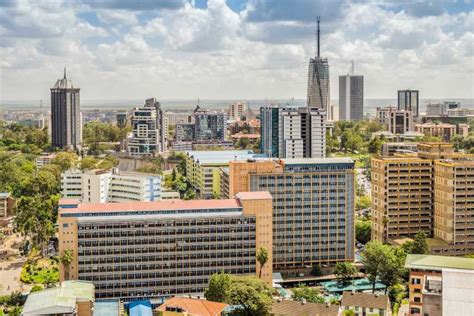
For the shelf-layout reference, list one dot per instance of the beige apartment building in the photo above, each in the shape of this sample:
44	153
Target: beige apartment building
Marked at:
159	249
444	131
431	191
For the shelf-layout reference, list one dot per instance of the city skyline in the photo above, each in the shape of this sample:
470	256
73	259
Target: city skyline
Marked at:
234	49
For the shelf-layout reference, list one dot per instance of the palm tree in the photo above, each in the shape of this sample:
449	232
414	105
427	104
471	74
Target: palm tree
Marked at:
66	259
262	258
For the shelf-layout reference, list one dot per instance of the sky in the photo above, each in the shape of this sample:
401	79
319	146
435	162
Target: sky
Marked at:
234	49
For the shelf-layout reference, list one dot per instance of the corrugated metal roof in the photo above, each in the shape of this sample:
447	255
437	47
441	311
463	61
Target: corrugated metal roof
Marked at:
438	262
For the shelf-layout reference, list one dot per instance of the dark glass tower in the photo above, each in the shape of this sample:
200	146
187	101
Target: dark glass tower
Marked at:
66	125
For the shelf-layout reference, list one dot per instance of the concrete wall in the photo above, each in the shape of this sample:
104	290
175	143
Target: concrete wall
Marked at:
458	292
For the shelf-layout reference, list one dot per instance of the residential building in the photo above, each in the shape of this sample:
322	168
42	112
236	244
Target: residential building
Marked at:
400	122
210	125
366	303
412	193
444	131
251	139
251	126
181	146
318	80
313	206
383	114
296	308
184	306
392	149
408	100
351	97
237	110
298	132
66	122
7	203
134	186
440	286
454	205
165	248
69	298
441	109
174	118
202	168
148	129
44	160
101	186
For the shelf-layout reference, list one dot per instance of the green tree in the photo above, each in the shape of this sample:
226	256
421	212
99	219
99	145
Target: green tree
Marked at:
219	288
363	202
251	295
262	258
66	258
344	271
420	245
316	270
88	163
65	160
363	230
309	294
348	312
372	259
375	144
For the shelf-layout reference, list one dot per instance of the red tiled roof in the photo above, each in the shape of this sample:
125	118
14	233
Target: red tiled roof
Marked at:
367	300
194	306
152	206
242	135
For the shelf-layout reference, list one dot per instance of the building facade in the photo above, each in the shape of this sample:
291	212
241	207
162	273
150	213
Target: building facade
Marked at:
134	186
66	122
408	100
159	249
351	97
237	110
210	126
440	285
313	207
148	129
400	122
383	114
444	131
7	203
298	132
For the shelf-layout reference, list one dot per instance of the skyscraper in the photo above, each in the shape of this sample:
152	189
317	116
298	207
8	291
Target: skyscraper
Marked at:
318	79
66	125
408	100
351	97
293	132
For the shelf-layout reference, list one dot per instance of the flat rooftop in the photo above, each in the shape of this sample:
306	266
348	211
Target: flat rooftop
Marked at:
315	161
430	262
167	205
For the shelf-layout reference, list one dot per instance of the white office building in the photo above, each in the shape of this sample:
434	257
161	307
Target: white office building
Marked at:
351	97
101	186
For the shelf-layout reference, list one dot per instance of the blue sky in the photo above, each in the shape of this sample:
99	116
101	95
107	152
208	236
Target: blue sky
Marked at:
234	49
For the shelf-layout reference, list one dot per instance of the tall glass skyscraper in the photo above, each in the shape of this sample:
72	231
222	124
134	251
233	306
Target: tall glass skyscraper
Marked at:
318	80
66	125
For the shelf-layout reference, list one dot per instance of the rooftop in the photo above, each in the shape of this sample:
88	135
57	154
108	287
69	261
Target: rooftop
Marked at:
438	262
317	161
194	306
260	195
59	300
367	300
357	285
295	308
168	205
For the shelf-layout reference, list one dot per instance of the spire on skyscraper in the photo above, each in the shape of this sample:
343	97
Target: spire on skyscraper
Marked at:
64	72
317	35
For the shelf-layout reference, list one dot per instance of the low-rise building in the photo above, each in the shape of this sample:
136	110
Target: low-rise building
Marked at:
440	285
188	306
201	168
366	303
159	249
444	131
70	298
390	149
296	308
134	186
44	160
7	203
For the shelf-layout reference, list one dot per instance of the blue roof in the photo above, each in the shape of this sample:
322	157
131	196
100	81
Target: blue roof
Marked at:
356	285
140	308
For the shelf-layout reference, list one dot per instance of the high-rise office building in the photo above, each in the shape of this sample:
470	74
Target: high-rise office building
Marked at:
66	121
160	249
313	206
293	132
318	80
400	121
408	100
148	128
351	97
210	126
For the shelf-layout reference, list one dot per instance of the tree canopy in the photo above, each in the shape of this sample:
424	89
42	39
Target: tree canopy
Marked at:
308	294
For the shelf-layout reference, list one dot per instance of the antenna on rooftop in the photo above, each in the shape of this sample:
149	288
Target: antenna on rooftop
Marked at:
318	19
